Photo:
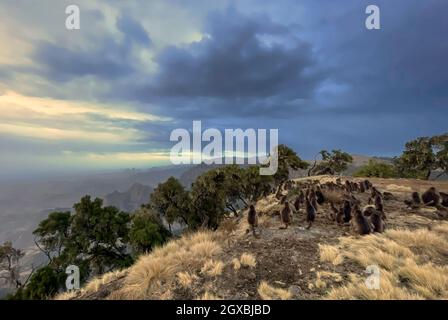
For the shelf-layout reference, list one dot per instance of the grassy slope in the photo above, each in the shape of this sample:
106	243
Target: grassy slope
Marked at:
326	262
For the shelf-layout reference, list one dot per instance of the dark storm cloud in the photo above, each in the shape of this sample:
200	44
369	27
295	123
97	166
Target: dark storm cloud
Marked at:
246	64
111	58
234	62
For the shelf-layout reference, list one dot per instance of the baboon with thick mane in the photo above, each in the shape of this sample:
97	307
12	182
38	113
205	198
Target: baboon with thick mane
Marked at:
431	197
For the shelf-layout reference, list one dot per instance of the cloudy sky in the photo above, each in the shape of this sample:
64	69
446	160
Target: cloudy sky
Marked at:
108	95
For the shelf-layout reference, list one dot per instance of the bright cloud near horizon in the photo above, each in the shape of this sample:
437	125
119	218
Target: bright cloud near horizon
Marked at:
109	94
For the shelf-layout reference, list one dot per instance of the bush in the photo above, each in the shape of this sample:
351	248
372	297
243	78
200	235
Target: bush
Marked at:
376	169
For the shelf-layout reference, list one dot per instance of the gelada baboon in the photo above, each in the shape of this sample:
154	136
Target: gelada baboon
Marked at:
346	210
252	218
362	188
376	221
431	197
297	204
416	198
310	213
334	211
320	198
340	216
360	223
285	216
379	203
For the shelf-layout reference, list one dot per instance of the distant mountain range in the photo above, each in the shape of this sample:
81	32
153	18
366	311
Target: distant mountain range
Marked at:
129	200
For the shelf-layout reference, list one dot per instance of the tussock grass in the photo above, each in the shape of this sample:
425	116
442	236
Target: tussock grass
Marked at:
209	296
155	274
68	295
185	279
212	268
268	292
248	260
330	254
402	257
236	264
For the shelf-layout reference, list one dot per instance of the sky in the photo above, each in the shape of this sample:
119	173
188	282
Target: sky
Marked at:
107	96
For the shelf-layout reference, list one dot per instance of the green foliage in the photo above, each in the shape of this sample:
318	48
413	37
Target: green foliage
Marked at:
440	146
170	200
417	160
332	163
287	160
43	284
52	233
376	169
147	231
98	236
208	200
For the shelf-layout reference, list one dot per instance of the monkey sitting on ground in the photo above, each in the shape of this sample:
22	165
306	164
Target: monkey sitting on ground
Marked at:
346	210
313	200
252	218
388	196
370	210
285	216
320	198
310	213
360	223
340	216
377	222
298	203
431	197
334	212
415	200
362	187
379	203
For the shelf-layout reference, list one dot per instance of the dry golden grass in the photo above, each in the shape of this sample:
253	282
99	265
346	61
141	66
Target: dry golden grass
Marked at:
185	279
236	264
68	295
321	276
209	296
268	292
154	274
402	257
330	254
397	188
212	268
248	260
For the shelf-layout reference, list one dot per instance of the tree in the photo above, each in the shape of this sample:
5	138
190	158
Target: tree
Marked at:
147	231
332	163
417	160
98	237
170	201
9	264
440	145
208	200
52	233
287	160
255	185
376	169
43	284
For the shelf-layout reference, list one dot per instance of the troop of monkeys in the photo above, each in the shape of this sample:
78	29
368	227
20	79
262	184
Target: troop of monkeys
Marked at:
346	209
